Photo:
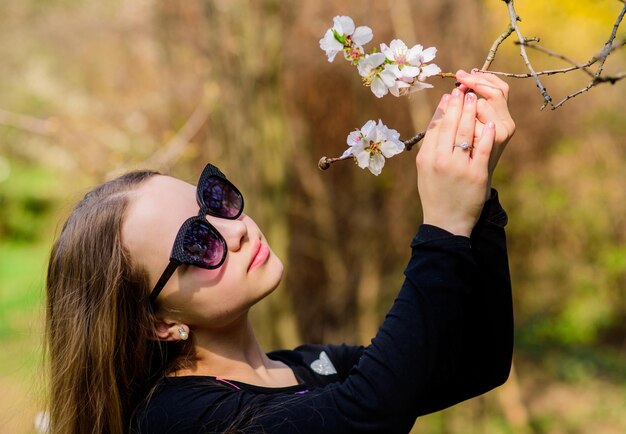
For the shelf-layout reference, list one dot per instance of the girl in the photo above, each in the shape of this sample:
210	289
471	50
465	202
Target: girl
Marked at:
141	343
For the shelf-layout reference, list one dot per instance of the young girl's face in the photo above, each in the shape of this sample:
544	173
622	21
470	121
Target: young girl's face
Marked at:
196	296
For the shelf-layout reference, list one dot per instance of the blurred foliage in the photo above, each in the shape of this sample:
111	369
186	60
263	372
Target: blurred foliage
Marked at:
91	89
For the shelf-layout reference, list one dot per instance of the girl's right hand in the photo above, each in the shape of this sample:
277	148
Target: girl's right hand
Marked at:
451	180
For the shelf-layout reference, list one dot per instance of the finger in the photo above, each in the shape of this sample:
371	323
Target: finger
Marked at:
450	122
465	130
495	80
432	132
478	130
482	149
486	113
495	93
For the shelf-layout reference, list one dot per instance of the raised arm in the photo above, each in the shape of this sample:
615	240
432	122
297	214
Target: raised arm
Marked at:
436	346
487	334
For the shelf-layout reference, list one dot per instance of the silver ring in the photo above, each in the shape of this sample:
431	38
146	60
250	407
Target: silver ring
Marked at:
463	145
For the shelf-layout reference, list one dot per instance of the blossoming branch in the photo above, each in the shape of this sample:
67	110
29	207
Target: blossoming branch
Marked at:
395	69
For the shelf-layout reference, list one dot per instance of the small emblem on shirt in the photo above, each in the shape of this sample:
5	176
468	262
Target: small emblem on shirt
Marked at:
323	365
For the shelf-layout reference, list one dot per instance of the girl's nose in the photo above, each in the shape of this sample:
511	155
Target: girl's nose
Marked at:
233	231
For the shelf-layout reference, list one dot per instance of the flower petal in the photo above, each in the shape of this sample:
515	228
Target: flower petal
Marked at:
429	70
398	46
362	35
417	86
367	128
386	51
395	69
375	59
414	53
343	25
389	148
389	133
330	45
331	55
376	164
409	71
347	153
364	67
388	77
428	54
367	64
363	159
354	138
378	88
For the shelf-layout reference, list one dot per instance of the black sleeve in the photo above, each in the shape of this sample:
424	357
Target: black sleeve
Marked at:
446	338
485	339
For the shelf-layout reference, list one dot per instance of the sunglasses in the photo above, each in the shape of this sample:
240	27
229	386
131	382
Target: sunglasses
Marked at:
198	243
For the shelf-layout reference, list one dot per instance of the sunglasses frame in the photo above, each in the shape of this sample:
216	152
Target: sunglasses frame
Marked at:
179	256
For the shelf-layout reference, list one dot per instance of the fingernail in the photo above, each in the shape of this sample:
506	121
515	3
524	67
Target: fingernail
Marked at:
470	97
456	92
462	73
491	125
445	97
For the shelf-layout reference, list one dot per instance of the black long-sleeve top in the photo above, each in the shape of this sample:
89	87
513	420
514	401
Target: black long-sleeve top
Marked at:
448	337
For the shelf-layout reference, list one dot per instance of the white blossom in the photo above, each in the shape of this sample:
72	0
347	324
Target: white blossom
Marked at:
343	36
405	63
370	145
409	66
330	45
380	80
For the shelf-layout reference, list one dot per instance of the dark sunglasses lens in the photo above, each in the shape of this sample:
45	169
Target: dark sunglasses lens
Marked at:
203	244
221	199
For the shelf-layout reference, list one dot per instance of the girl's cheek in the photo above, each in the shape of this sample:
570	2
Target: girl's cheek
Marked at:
207	277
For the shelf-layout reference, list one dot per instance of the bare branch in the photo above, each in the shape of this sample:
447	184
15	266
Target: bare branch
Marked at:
408	144
597	80
494	47
514	18
603	55
575	64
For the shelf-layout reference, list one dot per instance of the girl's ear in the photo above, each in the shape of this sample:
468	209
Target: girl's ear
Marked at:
170	331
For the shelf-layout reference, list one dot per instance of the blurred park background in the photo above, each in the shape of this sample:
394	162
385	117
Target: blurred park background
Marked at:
89	89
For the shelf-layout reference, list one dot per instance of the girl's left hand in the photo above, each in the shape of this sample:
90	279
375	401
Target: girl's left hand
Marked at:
452	165
492	107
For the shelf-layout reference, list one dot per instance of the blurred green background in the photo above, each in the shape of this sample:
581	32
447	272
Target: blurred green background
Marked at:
89	89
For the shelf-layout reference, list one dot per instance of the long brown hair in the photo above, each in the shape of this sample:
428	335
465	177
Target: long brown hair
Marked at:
101	352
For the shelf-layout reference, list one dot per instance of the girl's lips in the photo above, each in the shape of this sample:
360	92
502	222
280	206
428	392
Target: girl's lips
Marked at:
260	256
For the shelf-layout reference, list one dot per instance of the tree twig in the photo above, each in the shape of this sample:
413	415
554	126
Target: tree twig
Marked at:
604	54
494	47
514	18
575	65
